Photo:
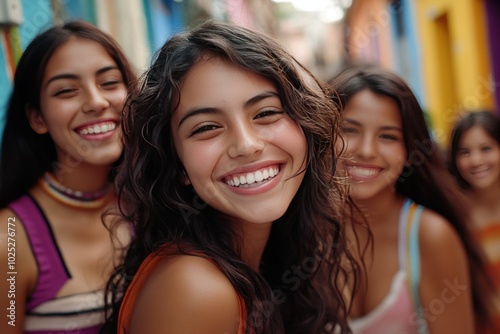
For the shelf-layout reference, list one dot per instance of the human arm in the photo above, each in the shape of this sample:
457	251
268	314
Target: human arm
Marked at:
445	286
18	273
186	294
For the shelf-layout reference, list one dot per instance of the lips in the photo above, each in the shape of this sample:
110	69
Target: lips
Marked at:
480	172
254	178
362	172
96	128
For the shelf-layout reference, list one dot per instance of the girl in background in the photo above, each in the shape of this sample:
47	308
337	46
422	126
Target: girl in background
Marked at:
425	272
230	149
475	163
61	141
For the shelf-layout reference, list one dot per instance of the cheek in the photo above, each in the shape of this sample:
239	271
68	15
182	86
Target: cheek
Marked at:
289	136
199	158
495	158
118	99
461	164
350	145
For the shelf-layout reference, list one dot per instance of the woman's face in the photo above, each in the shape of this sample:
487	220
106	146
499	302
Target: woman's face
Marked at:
478	158
375	149
81	100
239	147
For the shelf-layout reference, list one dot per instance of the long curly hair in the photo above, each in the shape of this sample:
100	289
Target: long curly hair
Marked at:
426	179
310	236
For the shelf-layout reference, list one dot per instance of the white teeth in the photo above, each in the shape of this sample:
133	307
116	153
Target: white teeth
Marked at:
103	128
271	172
244	181
358	171
250	178
258	176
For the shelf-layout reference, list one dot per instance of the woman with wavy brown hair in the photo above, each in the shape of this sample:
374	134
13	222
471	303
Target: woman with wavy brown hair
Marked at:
228	175
425	272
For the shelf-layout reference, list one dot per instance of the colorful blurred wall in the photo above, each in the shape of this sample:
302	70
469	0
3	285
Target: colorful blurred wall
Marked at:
447	50
140	26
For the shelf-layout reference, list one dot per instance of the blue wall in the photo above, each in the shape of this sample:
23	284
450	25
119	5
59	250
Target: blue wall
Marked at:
37	16
406	52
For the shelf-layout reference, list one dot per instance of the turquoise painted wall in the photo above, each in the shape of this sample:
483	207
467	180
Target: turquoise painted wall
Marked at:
37	16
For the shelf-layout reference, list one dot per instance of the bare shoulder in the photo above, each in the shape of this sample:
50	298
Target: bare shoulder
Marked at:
19	270
186	294
443	255
437	234
445	287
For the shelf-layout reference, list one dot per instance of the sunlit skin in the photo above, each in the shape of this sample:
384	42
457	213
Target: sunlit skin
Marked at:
375	153
81	101
374	160
478	159
82	95
231	126
245	157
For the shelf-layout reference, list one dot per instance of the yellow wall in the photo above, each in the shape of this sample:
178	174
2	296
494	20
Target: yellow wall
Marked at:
455	60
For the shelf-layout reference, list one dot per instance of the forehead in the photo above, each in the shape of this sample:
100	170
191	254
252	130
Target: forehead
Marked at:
370	109
476	135
78	54
216	82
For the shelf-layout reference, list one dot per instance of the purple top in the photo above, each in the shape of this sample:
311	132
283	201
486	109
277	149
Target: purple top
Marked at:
45	312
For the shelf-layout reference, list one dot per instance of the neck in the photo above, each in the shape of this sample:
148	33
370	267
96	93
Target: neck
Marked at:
376	210
489	197
83	178
254	238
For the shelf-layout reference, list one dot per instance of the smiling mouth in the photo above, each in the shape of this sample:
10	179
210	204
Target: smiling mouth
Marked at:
362	172
97	128
253	179
479	172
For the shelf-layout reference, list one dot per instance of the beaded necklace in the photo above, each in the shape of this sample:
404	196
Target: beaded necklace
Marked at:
74	198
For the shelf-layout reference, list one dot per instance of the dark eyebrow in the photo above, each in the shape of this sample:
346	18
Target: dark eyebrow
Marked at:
74	76
196	111
210	110
262	96
388	127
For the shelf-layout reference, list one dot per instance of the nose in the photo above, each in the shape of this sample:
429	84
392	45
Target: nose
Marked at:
245	140
476	158
366	147
95	100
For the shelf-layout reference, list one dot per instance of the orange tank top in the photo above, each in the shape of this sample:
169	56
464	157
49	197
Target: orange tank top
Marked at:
135	287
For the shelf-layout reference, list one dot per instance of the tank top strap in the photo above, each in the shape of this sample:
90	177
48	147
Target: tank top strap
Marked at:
409	252
52	272
402	229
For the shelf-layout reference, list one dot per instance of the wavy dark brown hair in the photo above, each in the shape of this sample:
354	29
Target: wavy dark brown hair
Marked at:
426	180
166	211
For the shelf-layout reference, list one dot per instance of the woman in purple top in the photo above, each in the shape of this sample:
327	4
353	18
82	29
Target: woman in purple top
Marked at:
61	141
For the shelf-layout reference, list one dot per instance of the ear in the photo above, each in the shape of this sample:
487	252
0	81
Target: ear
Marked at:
185	178
36	120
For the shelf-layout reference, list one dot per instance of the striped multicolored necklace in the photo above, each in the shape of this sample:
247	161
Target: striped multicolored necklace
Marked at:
74	198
